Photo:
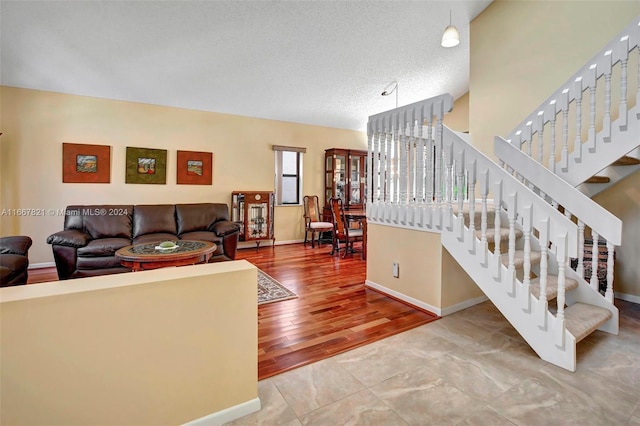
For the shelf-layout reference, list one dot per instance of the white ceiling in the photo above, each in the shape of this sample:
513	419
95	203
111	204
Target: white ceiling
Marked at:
315	62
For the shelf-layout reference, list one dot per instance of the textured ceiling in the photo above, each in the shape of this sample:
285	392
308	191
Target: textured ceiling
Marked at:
313	62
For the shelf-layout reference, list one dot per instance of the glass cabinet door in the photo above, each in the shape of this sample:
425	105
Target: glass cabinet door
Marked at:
340	176
355	173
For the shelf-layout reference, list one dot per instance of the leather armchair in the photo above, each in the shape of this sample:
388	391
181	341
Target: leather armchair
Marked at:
14	260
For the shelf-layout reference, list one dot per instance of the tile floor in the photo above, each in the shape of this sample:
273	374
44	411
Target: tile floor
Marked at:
469	368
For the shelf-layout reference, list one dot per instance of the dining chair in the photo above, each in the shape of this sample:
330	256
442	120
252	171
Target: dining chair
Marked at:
342	233
312	221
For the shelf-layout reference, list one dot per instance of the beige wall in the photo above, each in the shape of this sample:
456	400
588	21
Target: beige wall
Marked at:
428	273
458	118
457	286
511	75
36	123
419	255
141	349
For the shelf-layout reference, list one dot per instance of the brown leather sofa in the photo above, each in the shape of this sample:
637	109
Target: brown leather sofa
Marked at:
92	234
14	260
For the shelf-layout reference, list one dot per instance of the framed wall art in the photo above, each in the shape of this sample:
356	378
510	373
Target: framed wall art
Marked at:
83	163
195	168
146	165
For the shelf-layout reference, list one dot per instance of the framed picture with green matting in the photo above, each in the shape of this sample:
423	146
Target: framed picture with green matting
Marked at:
194	168
146	165
84	163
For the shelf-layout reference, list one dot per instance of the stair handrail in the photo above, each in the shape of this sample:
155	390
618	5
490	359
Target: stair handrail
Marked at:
585	78
584	208
525	195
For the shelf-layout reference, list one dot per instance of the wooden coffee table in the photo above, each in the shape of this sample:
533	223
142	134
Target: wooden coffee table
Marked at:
140	257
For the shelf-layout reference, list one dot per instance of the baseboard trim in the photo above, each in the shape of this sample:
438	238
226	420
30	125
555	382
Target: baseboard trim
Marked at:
627	297
403	297
42	265
420	304
266	243
228	414
463	305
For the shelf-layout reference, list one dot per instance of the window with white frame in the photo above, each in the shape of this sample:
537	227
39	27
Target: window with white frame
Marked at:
288	175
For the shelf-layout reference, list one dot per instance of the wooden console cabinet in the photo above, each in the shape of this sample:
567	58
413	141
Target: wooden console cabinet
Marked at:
253	211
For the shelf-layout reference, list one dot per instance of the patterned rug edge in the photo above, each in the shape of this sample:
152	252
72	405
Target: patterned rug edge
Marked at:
270	290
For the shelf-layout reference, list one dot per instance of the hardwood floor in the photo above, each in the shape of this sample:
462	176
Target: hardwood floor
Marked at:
333	313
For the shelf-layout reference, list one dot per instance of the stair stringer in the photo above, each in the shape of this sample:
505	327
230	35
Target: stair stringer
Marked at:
588	162
539	327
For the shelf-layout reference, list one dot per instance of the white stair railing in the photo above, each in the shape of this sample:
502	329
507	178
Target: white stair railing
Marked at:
604	140
419	170
604	227
567	149
405	166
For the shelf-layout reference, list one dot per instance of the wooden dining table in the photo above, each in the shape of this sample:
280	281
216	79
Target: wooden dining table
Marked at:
360	216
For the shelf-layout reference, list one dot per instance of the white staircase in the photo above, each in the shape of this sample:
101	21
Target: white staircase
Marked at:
515	226
603	148
513	243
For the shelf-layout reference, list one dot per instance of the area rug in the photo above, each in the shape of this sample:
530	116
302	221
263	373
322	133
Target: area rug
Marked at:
270	290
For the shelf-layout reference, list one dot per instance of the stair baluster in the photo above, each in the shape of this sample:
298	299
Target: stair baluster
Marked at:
472	206
448	194
580	267
577	94
592	83
595	253
512	201
527	217
484	191
460	193
430	163
497	202
420	166
403	169
551	112
609	292
606	121
543	304
561	256
624	53
564	158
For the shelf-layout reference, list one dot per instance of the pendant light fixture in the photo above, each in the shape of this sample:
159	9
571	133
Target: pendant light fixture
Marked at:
450	37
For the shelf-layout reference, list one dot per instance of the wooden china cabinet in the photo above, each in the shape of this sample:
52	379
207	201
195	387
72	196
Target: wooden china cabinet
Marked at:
345	177
253	212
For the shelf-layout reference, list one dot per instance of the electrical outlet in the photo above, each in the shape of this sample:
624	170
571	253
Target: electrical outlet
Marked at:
396	269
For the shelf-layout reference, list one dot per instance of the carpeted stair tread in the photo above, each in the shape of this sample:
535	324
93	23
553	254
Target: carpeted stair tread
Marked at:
491	234
598	179
477	213
626	161
552	286
534	256
582	319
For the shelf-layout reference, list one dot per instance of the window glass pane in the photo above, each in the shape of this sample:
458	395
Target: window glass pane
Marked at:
289	190
289	163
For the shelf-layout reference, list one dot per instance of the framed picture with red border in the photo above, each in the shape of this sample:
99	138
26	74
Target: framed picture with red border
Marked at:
84	163
195	168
